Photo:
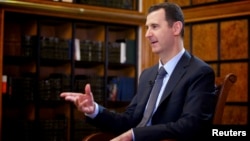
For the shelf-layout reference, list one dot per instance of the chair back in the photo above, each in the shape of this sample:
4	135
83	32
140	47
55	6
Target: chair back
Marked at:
223	86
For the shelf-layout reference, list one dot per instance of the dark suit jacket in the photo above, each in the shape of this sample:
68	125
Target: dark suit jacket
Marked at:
185	110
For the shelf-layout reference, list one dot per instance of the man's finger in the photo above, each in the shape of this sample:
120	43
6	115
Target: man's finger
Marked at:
87	89
64	94
71	98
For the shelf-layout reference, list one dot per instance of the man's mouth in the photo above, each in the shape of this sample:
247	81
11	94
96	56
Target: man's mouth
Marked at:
153	42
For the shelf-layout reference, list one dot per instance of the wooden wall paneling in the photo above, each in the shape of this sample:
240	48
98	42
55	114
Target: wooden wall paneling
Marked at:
181	2
234	39
187	38
148	3
185	3
196	2
147	57
215	67
204	41
217	11
235	115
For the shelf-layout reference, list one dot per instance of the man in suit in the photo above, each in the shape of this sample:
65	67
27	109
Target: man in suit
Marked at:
186	101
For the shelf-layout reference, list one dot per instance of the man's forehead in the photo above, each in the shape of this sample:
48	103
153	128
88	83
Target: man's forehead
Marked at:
155	17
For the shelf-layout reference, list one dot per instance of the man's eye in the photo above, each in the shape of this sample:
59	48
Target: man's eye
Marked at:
154	26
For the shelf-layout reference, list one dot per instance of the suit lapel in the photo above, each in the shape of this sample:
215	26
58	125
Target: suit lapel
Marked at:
177	74
151	75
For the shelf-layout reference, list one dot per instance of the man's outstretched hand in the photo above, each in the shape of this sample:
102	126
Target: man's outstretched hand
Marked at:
83	101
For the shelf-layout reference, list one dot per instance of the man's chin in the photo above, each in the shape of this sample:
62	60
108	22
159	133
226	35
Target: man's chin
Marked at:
155	50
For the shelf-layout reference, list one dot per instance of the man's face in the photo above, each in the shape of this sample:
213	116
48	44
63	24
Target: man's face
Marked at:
159	33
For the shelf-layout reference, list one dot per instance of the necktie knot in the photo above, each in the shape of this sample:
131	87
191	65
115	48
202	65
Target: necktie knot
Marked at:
161	73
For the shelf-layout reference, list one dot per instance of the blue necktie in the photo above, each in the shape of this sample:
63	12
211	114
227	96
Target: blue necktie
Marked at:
153	97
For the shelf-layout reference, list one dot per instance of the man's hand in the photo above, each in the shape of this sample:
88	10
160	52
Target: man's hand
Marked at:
127	136
84	102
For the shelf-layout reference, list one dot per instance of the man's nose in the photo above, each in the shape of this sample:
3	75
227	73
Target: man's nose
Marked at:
148	33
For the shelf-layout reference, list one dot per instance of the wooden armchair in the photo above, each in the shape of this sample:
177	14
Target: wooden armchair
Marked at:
223	86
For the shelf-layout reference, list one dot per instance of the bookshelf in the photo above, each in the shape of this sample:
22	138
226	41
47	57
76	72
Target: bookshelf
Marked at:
46	51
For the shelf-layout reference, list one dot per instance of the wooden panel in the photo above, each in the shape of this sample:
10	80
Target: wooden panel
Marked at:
239	91
181	2
147	3
204	40
62	30
215	68
217	11
234	39
195	2
187	35
235	115
93	32
121	32
147	57
12	38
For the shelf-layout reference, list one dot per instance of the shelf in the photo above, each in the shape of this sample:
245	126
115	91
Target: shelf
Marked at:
87	64
54	62
119	66
17	60
119	4
75	11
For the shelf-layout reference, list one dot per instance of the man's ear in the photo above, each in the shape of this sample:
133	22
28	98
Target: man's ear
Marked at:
177	26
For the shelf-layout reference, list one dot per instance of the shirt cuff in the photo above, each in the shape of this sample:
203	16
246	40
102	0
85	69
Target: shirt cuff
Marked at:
133	136
95	112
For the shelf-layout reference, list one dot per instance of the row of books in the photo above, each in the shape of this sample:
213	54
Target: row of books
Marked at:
97	85
121	51
20	88
23	87
51	47
28	45
51	87
55	48
86	50
121	88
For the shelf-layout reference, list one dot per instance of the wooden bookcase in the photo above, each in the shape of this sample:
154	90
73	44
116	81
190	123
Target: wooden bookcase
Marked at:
38	46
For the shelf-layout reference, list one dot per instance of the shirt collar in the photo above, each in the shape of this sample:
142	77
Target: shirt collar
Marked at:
170	65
